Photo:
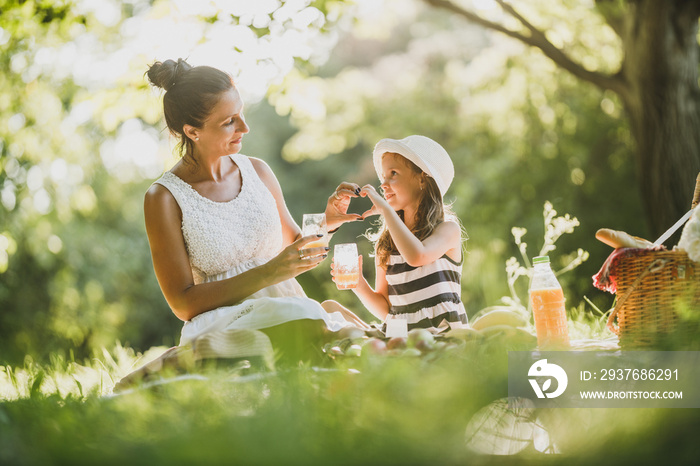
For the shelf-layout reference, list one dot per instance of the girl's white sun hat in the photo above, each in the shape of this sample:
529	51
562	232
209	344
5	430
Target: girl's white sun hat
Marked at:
427	154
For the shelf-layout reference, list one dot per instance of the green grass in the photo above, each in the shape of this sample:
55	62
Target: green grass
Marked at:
373	409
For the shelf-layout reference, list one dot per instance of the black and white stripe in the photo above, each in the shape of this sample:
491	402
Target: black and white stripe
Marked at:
427	295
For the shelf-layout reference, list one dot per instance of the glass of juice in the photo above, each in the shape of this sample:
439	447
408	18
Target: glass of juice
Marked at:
346	266
314	224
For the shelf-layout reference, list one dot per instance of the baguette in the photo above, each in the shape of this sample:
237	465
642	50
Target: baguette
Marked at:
620	239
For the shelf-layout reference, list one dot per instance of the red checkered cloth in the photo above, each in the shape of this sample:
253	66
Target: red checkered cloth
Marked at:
606	278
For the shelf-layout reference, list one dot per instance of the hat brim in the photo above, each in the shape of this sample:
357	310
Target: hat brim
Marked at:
397	147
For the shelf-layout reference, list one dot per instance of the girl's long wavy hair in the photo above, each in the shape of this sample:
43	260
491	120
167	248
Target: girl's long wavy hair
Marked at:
431	212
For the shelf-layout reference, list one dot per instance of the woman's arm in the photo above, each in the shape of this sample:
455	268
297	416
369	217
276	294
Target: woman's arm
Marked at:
290	230
172	266
445	239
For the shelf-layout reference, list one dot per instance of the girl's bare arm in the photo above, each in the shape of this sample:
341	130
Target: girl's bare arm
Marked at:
445	239
376	301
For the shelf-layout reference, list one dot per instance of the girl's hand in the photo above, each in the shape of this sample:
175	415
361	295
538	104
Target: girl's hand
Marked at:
379	204
359	262
338	203
295	259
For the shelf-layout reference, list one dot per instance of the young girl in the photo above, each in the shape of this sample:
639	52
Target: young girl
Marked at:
418	250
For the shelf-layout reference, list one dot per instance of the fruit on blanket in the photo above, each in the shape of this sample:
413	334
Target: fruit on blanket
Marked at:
411	352
374	346
440	345
466	334
424	346
498	330
513	335
499	317
352	333
396	343
620	239
420	338
353	350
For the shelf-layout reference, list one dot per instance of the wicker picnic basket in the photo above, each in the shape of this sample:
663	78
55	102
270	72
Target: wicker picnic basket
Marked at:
652	287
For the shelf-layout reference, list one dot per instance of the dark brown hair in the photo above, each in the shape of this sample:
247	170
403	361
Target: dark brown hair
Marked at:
190	95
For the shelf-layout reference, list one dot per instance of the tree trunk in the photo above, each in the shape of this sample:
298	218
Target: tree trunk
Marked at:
658	83
662	99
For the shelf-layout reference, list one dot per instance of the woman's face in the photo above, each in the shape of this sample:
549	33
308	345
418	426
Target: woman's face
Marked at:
223	130
401	184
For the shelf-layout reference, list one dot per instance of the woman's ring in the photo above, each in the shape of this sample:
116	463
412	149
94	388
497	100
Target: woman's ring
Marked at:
301	254
335	194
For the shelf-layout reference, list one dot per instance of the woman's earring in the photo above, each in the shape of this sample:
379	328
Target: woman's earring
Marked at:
197	139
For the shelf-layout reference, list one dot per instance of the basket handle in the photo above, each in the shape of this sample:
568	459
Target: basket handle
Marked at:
655	266
696	195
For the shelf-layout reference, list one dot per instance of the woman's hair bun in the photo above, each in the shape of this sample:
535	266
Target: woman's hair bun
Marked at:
165	74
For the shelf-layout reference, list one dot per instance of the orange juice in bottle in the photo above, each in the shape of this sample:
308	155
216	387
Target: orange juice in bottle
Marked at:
548	306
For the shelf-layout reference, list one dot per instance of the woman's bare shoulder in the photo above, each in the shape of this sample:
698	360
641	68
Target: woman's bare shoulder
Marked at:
158	193
158	198
261	167
266	175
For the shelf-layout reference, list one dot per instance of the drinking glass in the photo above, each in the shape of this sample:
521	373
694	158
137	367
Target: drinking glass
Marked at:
314	224
346	266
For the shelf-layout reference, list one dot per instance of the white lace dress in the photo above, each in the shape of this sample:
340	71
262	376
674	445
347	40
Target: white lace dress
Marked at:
224	239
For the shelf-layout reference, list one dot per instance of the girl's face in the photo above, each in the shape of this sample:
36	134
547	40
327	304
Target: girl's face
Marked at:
223	130
401	184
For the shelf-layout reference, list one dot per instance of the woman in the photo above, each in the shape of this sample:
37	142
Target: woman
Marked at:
225	248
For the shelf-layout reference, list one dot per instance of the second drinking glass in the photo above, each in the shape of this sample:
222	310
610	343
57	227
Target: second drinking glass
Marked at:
346	266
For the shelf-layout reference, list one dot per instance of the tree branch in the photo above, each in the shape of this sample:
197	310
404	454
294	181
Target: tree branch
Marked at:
538	40
508	8
610	10
474	18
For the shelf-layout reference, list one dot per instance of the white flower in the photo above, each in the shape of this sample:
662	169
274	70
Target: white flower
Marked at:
518	234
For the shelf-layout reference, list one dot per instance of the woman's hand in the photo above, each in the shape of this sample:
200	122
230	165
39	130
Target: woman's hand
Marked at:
297	258
379	204
338	203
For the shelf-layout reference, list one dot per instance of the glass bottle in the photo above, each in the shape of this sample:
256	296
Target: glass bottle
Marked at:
548	306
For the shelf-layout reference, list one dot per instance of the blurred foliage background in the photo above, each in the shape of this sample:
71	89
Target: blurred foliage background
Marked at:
82	138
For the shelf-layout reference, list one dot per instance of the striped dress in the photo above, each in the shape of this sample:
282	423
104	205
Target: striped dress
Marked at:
427	296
